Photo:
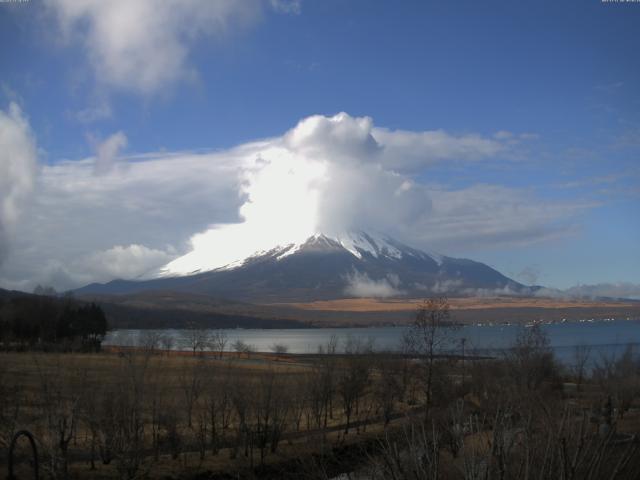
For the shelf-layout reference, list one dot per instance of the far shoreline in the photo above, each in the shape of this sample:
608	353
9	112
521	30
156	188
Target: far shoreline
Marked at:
164	311
380	326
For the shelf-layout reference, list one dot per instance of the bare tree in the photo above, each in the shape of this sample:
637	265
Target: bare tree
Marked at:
149	341
299	399
279	348
581	355
241	347
270	410
129	417
195	339
105	422
90	415
157	401
619	378
387	388
191	383
531	360
564	445
330	348
240	399
10	402
354	377
219	341
326	369
415	455
218	406
170	424
60	404
427	337
167	341
201	426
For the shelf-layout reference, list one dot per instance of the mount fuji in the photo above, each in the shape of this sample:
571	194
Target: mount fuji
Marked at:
322	267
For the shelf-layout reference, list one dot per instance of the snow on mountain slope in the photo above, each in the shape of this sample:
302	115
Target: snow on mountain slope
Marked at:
357	243
321	267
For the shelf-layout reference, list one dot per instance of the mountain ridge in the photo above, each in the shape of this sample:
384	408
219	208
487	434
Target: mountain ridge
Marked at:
326	267
355	242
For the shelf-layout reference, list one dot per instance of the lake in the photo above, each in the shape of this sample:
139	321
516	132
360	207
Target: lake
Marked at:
605	337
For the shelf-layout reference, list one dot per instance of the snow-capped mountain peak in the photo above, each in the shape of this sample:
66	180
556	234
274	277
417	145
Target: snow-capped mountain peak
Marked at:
320	266
360	244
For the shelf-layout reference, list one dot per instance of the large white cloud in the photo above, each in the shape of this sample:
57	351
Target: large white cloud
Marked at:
18	163
143	45
327	174
360	186
331	174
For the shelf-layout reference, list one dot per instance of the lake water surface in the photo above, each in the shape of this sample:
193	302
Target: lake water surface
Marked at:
604	337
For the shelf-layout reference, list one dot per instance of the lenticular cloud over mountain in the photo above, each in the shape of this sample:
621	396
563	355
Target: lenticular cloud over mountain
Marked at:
326	175
339	174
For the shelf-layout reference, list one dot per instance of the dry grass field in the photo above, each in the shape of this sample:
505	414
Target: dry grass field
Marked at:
130	413
175	415
467	303
167	310
471	310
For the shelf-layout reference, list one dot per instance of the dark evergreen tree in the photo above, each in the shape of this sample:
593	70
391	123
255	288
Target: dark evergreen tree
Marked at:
42	321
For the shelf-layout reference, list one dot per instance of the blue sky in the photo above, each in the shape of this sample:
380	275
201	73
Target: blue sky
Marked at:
554	83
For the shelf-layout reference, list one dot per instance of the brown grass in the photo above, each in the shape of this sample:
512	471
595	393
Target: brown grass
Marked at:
471	303
90	372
